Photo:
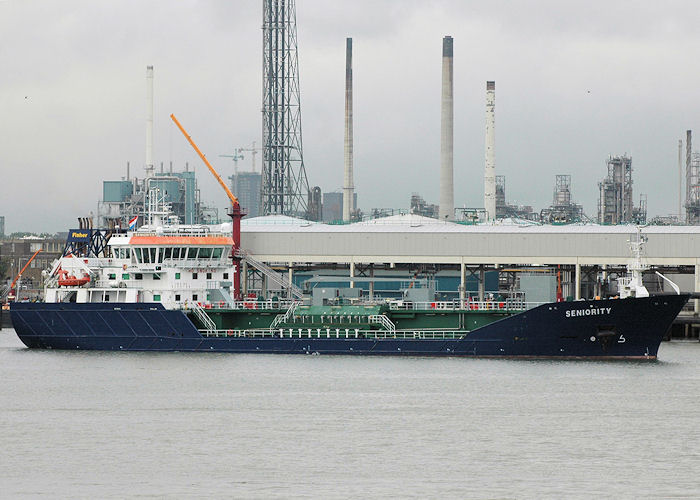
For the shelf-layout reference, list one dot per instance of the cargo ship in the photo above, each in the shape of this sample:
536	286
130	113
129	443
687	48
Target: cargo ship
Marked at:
171	287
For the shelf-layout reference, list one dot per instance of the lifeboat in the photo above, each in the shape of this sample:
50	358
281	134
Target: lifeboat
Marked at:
65	280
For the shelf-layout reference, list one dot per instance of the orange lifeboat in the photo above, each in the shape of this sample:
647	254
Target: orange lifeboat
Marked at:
65	280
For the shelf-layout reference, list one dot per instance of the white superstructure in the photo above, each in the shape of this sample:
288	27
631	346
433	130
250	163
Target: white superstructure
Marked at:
176	265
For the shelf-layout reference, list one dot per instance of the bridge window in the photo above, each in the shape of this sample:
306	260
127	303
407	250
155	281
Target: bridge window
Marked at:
139	255
167	253
216	253
205	253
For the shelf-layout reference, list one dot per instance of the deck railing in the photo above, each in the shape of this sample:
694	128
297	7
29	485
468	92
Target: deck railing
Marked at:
338	333
464	305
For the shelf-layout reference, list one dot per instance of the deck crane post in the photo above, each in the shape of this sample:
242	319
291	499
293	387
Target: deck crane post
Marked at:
236	214
19	275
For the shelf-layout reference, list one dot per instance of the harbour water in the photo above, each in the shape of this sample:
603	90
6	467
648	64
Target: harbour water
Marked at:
116	425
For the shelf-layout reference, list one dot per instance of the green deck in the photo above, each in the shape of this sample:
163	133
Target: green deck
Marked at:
353	317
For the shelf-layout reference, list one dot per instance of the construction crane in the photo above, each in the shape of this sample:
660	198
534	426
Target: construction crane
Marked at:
235	157
19	275
238	156
235	214
252	150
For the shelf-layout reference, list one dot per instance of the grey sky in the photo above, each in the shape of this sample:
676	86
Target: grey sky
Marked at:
574	83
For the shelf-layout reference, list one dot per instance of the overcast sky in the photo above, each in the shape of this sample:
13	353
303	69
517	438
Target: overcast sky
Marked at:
575	82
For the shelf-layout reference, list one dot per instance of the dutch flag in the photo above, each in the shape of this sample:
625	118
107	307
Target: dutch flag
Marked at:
132	222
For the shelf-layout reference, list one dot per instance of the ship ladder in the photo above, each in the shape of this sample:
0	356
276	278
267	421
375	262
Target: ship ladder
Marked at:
208	323
381	319
283	318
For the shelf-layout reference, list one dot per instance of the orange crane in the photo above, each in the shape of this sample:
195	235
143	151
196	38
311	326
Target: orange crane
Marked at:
236	213
19	275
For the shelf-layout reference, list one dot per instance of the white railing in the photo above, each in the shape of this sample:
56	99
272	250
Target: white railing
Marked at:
204	318
272	275
338	333
457	305
4	291
284	318
381	319
243	304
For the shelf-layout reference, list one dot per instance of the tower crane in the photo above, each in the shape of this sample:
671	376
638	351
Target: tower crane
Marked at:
237	155
252	150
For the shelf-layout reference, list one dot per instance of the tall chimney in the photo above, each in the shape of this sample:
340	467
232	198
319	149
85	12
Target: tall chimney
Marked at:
680	179
149	121
490	168
447	195
348	184
688	154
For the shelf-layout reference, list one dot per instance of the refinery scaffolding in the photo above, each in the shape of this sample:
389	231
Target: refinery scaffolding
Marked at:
501	207
692	183
615	200
420	207
127	198
562	210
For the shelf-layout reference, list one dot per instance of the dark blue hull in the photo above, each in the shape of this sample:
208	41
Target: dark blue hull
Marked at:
602	329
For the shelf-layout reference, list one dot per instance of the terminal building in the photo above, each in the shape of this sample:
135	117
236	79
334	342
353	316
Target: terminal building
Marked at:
466	258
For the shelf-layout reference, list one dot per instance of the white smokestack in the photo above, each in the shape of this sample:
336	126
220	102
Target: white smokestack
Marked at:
447	134
348	184
149	121
680	179
490	169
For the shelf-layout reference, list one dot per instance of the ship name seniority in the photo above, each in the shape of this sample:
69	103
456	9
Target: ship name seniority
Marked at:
593	311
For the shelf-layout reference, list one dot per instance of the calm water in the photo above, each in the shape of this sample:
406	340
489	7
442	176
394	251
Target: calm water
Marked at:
115	425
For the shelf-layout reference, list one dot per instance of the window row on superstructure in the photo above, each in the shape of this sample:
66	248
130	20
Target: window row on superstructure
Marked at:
158	255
